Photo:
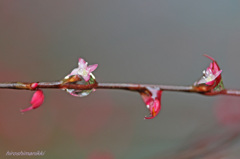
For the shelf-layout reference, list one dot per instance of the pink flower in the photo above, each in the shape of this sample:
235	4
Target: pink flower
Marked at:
211	77
36	101
84	70
152	99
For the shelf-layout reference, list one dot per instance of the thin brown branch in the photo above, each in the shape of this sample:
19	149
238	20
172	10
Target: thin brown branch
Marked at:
124	86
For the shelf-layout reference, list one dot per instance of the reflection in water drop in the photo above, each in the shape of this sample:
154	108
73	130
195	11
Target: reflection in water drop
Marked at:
80	93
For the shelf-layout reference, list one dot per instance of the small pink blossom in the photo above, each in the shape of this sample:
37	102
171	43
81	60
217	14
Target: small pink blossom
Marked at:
213	72
84	70
211	78
152	99
36	101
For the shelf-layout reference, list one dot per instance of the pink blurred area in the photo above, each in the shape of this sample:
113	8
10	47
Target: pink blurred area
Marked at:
20	130
227	112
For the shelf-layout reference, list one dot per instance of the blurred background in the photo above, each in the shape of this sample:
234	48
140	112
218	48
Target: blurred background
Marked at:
133	41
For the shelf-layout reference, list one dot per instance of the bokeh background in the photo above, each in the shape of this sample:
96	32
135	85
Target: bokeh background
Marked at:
135	41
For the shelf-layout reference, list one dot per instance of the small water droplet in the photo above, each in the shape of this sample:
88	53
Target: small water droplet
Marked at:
77	92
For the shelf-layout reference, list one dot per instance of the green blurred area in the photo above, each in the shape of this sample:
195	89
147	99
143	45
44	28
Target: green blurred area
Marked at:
135	41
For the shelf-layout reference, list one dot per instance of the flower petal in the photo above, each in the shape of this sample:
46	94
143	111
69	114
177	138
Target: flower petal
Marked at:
215	78
154	109
74	71
159	94
218	73
27	109
36	101
81	63
86	78
210	83
91	68
146	98
152	98
215	67
209	57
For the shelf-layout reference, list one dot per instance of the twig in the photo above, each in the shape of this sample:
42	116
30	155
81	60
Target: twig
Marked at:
124	86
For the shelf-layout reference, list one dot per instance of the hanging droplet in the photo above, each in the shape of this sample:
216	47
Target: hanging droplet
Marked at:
77	92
